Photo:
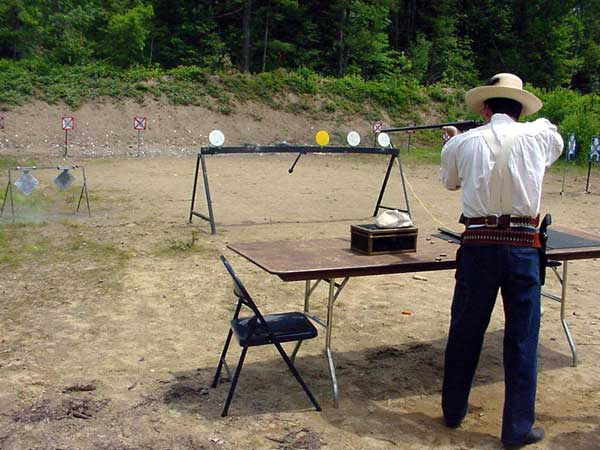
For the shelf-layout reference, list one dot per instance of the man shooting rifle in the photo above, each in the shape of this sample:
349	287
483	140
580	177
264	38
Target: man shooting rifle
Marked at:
499	167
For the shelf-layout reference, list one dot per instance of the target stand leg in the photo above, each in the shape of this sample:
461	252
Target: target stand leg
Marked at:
8	193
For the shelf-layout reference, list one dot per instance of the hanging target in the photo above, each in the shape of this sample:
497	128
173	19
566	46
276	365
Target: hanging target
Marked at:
594	150
26	183
64	179
571	148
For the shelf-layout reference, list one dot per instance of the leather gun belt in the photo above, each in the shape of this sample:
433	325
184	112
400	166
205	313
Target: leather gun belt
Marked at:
499	236
503	221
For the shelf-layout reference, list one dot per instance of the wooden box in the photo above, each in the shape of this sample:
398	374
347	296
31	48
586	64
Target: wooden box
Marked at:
370	240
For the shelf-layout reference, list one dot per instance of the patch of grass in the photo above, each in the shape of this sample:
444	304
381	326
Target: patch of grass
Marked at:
422	155
70	223
65	250
183	246
22	241
34	206
6	258
225	109
10	162
75	85
96	249
40	246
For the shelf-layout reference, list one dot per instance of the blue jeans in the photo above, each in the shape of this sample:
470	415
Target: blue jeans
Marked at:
482	270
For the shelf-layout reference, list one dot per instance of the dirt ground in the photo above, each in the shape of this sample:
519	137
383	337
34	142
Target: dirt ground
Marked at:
111	325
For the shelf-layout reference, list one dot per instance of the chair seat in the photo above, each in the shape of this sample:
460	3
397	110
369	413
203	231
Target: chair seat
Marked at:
293	326
553	263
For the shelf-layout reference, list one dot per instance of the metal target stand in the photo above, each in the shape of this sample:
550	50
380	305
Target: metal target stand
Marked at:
8	193
300	150
593	156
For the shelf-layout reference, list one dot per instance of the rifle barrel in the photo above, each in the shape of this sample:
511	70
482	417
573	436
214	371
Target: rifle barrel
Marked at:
461	125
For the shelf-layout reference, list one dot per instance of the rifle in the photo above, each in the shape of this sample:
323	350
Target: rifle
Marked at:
462	125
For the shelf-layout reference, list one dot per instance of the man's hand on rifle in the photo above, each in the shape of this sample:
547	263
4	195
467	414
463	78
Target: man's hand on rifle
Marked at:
449	132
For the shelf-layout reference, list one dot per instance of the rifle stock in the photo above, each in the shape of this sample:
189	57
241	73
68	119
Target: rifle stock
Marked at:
462	125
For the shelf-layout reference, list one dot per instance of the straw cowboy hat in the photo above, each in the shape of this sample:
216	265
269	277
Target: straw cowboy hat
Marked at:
503	85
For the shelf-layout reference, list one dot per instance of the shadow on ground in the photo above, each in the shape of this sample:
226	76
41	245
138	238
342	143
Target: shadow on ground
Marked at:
400	375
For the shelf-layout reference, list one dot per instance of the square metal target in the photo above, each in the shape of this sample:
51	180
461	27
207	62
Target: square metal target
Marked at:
572	148
68	123
26	183
64	179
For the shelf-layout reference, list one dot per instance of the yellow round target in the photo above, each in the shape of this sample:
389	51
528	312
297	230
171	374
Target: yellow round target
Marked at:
322	138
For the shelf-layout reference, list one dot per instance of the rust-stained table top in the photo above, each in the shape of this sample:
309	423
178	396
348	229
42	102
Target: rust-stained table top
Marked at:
332	258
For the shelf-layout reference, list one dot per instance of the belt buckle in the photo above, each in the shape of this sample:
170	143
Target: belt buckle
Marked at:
491	225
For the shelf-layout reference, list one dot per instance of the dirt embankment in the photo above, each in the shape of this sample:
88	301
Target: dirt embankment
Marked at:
106	128
111	325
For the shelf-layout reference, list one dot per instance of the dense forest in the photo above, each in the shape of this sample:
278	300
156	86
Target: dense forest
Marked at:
550	43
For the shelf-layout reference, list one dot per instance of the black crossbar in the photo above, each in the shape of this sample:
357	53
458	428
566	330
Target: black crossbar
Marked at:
298	149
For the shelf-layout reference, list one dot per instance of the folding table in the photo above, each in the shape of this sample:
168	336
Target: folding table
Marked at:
329	260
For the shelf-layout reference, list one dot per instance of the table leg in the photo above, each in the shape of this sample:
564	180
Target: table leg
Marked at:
328	354
334	291
562	299
307	291
562	313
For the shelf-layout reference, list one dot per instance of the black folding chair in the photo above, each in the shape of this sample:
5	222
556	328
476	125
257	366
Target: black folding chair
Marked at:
262	330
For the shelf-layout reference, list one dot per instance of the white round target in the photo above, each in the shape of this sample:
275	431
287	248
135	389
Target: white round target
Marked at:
383	139
353	138
216	138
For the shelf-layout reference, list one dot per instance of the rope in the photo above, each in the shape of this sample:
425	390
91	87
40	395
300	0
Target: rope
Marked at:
435	219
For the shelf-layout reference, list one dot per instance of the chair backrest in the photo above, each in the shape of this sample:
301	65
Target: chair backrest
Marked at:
241	292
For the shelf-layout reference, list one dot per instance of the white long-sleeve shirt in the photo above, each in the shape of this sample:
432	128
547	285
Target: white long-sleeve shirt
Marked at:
467	163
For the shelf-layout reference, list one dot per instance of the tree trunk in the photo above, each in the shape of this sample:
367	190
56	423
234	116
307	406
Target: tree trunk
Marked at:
266	39
151	49
411	20
342	58
246	33
395	32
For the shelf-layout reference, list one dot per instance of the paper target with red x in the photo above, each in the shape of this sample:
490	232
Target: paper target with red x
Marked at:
139	123
68	123
377	127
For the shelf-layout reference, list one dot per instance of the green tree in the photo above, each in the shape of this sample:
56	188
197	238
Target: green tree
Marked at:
19	29
126	35
186	32
360	42
66	32
587	78
489	26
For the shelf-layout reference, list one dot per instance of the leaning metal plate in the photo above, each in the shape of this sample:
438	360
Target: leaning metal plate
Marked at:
216	138
64	179
26	183
383	139
353	138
